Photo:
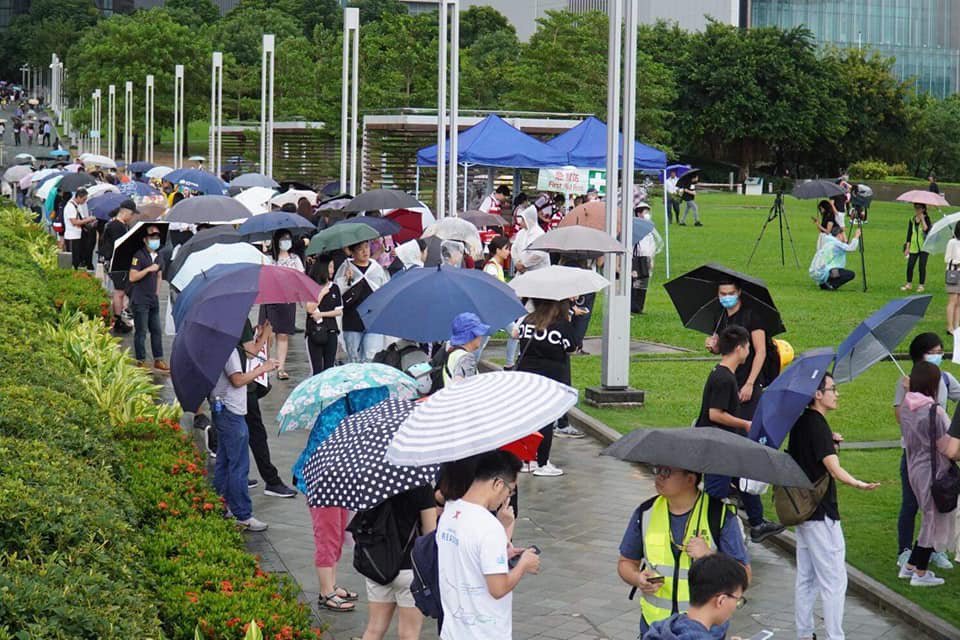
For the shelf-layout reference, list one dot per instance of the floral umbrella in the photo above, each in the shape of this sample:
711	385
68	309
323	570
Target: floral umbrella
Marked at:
316	393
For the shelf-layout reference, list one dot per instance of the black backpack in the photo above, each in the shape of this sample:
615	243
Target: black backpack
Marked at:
378	552
397	354
438	364
425	587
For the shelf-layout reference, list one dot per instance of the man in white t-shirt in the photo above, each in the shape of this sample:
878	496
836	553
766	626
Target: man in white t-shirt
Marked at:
495	202
80	230
476	582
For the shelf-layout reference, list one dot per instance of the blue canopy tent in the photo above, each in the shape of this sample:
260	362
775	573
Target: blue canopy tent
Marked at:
494	143
586	147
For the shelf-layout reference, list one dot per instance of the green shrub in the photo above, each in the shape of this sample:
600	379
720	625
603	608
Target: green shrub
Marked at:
869	170
78	291
899	169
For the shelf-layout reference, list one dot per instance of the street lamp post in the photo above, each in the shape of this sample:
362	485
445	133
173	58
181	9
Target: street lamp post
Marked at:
148	111
23	76
95	107
441	113
455	107
216	112
128	122
266	104
178	108
349	99
112	120
621	100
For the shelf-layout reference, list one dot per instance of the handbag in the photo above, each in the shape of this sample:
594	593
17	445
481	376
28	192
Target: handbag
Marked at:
945	489
952	275
317	333
795	505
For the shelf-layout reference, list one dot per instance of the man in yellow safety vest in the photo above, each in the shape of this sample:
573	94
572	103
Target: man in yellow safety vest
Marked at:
666	534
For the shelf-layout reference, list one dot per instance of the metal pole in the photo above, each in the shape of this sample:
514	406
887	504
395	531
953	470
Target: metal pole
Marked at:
220	118
177	116
98	115
416	184
613	341
148	135
266	104
128	122
111	120
273	59
466	169
350	20
354	108
441	114
216	112
212	128
455	106
666	224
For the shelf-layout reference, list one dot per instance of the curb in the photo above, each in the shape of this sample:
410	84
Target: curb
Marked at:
859	583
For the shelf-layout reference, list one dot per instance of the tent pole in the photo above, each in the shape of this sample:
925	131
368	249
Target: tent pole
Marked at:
666	223
416	186
466	170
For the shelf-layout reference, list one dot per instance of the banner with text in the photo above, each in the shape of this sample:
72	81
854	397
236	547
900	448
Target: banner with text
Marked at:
574	181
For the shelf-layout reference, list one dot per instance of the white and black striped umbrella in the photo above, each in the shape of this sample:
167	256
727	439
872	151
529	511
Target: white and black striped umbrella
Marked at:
479	414
348	470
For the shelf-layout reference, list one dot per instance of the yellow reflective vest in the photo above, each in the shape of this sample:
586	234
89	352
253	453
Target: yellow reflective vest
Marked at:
658	554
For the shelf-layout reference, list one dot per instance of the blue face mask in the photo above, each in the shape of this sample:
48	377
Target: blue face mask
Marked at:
153	244
728	302
934	358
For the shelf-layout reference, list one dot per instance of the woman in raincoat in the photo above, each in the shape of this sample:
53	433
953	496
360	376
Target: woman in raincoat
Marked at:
523	259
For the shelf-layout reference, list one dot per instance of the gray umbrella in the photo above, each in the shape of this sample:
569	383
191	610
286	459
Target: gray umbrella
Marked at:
710	450
817	189
206	209
382	199
576	239
16	173
479	219
254	180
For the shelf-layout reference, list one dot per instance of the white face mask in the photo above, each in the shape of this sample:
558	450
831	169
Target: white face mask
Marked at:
285	245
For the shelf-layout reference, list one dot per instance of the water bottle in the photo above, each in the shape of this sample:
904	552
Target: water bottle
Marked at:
217	405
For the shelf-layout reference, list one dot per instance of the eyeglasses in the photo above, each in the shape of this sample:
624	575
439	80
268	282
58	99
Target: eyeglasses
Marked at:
662	472
741	601
510	485
833	388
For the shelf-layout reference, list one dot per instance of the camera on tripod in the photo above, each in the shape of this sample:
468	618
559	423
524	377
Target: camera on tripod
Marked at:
860	198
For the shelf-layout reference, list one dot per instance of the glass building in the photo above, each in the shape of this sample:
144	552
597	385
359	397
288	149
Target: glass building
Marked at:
921	34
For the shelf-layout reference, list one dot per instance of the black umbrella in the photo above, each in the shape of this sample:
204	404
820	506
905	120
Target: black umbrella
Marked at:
207	209
348	470
710	450
287	185
817	189
384	226
202	240
694	294
382	199
684	180
73	181
132	241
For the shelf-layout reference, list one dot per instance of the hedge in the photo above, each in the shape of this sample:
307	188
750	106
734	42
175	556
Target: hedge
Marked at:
109	526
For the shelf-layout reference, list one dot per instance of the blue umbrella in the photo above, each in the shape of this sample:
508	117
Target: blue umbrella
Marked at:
141	166
263	226
395	308
189	294
641	229
877	336
60	153
784	400
383	226
679	168
135	189
103	205
198	180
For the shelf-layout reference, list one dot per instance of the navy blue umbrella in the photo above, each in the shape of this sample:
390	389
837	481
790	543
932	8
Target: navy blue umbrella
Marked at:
877	336
263	226
136	189
140	166
446	292
197	180
784	400
212	325
188	296
383	226
103	205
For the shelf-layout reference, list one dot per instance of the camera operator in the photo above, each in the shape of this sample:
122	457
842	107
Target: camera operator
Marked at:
828	268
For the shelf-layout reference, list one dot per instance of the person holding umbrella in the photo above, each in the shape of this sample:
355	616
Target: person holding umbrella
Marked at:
282	316
145	300
358	277
917	229
116	282
821	549
688	193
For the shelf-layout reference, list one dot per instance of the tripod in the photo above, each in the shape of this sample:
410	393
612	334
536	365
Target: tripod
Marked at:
863	261
779	213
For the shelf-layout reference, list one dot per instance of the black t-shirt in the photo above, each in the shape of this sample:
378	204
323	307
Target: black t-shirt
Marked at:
111	233
406	510
351	317
954	430
811	440
329	302
933	188
746	319
144	291
689	196
720	392
547	352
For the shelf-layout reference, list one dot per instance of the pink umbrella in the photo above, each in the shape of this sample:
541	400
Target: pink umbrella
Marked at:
923	197
73	168
25	181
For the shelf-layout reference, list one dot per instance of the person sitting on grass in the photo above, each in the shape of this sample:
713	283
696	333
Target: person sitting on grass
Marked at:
717	583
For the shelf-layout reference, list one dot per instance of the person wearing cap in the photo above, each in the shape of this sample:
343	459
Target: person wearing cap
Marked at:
145	300
116	281
466	336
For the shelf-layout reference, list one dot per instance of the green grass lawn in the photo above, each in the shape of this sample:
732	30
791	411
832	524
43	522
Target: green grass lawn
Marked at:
813	318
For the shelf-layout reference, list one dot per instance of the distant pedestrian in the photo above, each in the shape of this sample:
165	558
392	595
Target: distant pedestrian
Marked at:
821	548
17	130
30	133
917	229
952	258
47	129
673	197
644	252
932	185
688	194
524	259
411	253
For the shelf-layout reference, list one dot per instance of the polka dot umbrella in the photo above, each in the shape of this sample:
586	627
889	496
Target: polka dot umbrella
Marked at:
349	470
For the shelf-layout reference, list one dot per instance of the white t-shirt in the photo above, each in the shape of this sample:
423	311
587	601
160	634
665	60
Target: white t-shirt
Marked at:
472	544
72	210
234	398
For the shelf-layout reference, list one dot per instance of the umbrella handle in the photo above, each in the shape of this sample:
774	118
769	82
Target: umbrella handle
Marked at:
902	372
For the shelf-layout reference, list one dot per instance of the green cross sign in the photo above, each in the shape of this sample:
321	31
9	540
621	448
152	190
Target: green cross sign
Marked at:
598	180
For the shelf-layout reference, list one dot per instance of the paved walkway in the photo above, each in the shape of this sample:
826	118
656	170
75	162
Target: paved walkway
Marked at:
577	520
38	151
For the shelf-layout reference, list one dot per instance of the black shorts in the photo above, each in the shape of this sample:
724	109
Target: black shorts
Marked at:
120	280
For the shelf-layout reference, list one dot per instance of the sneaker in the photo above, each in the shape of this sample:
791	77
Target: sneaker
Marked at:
905	572
252	483
547	470
567	432
698	224
764	530
252	524
903	557
161	366
940	560
201	421
929	579
210	440
527	467
120	328
279	491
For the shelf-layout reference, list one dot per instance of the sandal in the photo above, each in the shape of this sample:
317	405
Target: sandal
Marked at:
349	596
339	604
283	375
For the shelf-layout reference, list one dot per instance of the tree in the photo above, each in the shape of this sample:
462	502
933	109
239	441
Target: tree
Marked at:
312	13
374	10
564	68
240	32
125	48
486	67
297	80
479	21
933	149
191	12
49	27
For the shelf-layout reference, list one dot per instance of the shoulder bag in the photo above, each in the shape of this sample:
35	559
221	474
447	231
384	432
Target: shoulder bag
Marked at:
945	489
795	505
952	276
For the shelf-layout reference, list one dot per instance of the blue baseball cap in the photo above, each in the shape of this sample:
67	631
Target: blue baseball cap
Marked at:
466	327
